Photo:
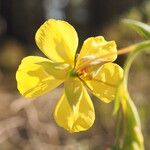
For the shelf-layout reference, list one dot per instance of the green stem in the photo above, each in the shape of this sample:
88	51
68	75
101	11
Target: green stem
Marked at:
118	129
137	49
127	106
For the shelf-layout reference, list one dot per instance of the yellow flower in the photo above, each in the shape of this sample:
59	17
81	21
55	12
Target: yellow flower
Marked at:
92	68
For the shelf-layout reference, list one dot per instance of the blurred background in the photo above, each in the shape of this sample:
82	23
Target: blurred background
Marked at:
29	125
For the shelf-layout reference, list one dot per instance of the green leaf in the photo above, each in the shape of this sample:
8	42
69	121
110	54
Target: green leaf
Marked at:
141	28
136	48
131	137
130	122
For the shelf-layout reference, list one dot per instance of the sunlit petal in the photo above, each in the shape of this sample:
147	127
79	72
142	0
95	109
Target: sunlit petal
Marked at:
105	83
98	47
58	40
37	75
75	118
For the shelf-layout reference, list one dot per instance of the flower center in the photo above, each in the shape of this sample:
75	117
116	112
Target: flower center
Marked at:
73	73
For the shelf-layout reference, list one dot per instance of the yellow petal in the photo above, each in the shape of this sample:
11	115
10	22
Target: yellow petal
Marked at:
37	76
80	118
58	40
73	90
98	47
105	83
